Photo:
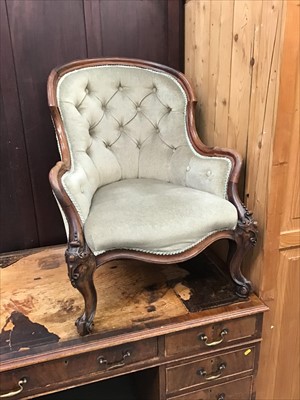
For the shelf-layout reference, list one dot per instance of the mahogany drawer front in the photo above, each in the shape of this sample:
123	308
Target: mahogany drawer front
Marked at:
60	373
234	390
211	336
209	369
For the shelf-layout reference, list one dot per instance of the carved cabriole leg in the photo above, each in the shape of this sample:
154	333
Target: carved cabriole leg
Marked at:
245	238
81	267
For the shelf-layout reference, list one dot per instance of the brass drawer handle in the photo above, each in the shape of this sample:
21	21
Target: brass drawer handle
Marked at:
212	375
220	396
116	364
204	338
15	392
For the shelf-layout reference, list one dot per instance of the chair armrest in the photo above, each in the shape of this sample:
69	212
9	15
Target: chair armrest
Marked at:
230	155
69	213
205	172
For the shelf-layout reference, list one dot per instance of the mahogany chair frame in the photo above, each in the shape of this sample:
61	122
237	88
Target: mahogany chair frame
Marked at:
81	262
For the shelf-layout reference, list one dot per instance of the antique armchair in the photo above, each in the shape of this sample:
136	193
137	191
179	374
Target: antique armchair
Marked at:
135	180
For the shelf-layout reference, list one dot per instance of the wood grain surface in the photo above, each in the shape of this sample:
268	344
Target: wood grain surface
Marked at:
16	203
260	71
129	293
136	301
37	36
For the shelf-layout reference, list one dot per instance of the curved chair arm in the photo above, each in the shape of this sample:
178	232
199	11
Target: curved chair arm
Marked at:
76	238
244	215
245	234
67	207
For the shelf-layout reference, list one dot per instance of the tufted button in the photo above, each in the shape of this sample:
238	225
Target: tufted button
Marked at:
120	87
81	189
86	90
104	107
188	168
156	129
169	109
173	149
138	108
208	173
154	89
138	145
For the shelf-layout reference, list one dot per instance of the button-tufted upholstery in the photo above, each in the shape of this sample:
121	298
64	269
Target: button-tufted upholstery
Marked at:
135	179
152	215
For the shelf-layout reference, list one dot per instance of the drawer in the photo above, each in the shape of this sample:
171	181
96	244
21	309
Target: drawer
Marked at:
211	336
234	390
205	371
82	368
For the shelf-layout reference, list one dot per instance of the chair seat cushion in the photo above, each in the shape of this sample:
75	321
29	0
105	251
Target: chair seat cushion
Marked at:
154	216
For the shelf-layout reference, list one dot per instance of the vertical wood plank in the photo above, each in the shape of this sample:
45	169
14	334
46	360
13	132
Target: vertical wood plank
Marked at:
278	375
286	327
94	38
213	67
44	34
289	126
246	17
149	29
262	122
189	41
129	30
208	44
175	34
201	61
224	74
18	223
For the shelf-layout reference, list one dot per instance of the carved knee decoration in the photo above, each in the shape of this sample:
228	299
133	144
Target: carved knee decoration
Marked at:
81	267
245	238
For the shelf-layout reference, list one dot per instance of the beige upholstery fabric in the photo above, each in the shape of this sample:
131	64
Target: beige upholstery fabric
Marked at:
125	123
155	216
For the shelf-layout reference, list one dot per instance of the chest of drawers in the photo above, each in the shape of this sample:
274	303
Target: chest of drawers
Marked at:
172	353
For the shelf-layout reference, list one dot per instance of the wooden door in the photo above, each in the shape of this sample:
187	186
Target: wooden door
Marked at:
279	372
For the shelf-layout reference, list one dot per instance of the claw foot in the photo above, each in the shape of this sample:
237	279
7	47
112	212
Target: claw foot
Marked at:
243	290
84	327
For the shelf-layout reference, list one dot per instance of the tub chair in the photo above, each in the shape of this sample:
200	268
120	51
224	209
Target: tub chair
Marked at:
134	180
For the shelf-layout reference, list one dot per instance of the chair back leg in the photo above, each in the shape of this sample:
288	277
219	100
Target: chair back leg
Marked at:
245	237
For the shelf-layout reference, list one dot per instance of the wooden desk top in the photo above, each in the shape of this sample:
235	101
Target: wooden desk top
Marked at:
135	301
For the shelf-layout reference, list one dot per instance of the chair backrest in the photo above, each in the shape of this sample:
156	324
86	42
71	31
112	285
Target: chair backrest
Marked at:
123	121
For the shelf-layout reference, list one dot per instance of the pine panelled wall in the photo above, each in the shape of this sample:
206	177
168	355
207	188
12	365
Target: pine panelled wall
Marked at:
243	59
35	37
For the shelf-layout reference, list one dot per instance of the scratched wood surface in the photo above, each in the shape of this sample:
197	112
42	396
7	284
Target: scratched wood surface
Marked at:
37	286
39	306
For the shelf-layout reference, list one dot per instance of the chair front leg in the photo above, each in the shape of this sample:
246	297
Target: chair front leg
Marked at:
245	237
81	267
